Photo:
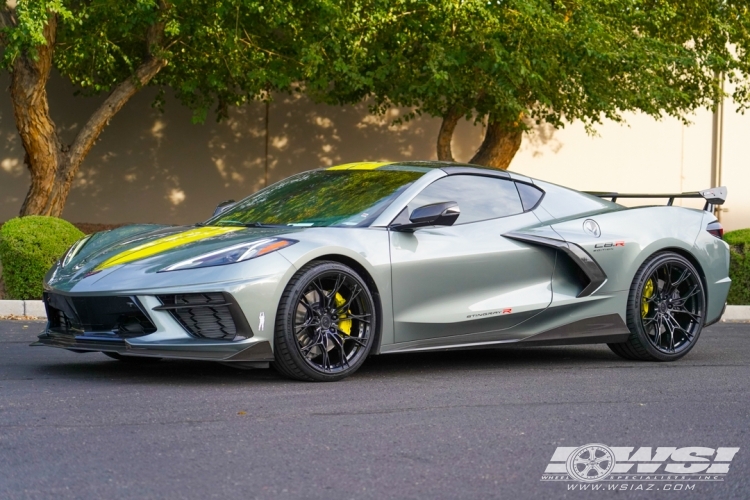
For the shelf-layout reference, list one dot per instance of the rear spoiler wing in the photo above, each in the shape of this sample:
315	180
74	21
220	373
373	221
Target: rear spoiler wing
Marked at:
713	196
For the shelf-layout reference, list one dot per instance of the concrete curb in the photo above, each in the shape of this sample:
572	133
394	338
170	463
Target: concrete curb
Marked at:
36	308
22	308
736	313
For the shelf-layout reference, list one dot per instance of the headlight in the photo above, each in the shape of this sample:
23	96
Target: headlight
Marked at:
230	255
73	251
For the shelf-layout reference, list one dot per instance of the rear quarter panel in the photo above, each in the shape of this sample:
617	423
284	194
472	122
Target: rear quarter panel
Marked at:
630	236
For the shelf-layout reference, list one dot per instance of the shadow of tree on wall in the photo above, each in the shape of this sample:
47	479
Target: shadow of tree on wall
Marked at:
150	166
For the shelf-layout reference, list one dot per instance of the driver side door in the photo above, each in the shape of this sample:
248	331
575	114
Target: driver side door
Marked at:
467	283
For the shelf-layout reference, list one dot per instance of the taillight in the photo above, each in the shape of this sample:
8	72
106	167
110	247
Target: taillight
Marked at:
716	229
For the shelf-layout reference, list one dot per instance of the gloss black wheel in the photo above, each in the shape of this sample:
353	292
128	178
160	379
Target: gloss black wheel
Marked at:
325	324
666	310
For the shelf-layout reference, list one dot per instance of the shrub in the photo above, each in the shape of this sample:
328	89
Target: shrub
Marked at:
739	266
29	246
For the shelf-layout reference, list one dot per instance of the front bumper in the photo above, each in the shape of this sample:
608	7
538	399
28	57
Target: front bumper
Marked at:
146	326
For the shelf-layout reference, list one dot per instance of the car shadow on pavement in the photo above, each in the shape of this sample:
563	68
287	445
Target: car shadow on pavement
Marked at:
95	366
515	358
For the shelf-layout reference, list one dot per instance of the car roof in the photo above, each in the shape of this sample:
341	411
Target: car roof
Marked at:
449	167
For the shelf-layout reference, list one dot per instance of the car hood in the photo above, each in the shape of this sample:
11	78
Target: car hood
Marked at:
149	247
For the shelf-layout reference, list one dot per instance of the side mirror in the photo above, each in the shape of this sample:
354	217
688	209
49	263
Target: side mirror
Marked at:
437	214
223	207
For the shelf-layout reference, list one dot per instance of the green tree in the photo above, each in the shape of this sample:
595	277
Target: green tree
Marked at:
210	53
513	63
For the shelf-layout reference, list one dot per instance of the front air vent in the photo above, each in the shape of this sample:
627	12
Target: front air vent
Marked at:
75	315
206	315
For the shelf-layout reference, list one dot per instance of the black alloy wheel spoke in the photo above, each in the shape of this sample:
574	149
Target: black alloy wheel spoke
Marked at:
673	335
655	280
361	341
682	310
306	304
354	294
685	275
340	343
670	272
331	297
306	324
326	358
657	330
693	292
320	291
676	325
358	317
650	321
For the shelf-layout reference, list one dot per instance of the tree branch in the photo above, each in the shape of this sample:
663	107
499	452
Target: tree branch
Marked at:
90	132
450	120
86	137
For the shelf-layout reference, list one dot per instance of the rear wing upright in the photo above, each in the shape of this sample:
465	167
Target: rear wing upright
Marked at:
713	196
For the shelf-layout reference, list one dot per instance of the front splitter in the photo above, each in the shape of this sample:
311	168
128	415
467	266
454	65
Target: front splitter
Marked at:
197	349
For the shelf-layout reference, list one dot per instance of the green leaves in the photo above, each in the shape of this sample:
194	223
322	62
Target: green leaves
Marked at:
219	53
551	60
555	61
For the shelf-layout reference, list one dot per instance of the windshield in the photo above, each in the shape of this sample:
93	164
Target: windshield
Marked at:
349	198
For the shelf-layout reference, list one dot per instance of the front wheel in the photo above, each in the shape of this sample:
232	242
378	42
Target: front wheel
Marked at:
666	310
325	324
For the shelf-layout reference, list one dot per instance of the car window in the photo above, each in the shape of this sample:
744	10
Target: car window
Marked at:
478	197
530	195
344	198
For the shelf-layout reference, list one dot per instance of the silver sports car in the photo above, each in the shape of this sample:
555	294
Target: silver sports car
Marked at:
318	271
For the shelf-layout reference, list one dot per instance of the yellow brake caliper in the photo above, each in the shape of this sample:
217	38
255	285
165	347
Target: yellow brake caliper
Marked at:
648	292
345	325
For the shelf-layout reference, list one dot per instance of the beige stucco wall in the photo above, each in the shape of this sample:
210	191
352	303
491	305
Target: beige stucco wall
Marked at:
154	167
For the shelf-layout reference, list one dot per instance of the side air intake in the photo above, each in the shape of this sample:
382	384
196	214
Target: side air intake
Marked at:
207	315
593	272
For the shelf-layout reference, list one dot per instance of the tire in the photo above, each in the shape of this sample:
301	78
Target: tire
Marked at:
666	310
325	325
131	359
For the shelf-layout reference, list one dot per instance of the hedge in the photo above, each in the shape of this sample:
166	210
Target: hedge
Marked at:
739	266
29	246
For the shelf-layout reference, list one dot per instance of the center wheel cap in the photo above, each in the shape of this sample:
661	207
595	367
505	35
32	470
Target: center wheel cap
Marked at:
325	322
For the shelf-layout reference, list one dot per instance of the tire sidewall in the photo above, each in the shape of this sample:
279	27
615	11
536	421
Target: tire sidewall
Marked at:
287	309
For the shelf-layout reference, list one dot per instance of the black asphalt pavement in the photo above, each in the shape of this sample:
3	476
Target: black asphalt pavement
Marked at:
469	424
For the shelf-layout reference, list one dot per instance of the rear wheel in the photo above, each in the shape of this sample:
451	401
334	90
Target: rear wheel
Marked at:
666	310
325	324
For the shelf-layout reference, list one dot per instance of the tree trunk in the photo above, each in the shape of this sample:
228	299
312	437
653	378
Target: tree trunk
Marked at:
53	165
86	137
28	93
450	120
500	144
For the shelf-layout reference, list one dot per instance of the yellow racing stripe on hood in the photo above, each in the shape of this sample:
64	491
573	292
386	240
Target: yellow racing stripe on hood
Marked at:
163	244
362	165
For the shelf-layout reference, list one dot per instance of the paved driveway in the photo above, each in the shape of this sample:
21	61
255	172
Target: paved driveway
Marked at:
470	424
